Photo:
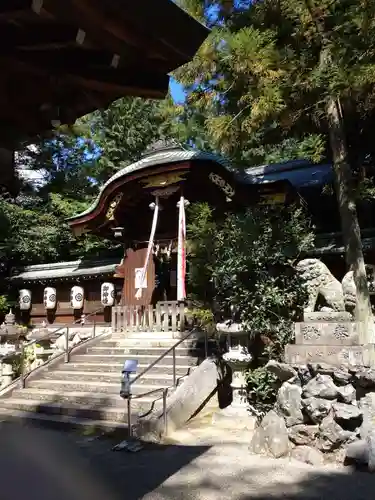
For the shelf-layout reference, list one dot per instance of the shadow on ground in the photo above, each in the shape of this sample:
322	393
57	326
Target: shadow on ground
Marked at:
41	464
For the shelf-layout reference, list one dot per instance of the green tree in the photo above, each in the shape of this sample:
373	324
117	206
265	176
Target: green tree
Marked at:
292	72
72	165
122	133
246	261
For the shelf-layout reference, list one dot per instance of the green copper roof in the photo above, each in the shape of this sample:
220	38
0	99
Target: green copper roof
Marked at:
169	154
66	270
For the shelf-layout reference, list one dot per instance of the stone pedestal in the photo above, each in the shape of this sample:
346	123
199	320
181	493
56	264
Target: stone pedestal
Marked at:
236	415
329	337
6	374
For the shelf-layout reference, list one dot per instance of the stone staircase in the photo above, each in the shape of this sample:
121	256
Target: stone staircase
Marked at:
85	391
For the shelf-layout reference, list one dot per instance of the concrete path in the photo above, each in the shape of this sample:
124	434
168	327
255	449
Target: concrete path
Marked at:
38	464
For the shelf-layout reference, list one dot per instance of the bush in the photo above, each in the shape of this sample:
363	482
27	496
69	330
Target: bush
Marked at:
4	304
262	389
247	262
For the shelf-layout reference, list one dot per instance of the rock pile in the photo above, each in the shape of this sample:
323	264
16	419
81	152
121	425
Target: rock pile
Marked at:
320	410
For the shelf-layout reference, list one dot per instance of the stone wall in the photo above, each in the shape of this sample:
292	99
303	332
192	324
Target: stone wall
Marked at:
320	410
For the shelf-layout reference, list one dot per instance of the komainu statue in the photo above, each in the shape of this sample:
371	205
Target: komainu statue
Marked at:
320	281
349	291
349	288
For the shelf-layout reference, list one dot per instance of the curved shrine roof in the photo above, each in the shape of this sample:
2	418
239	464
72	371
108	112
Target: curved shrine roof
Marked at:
176	154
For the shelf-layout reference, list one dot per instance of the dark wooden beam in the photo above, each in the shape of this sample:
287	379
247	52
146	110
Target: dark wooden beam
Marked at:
37	36
129	29
149	85
75	57
109	33
18	10
108	80
164	22
9	6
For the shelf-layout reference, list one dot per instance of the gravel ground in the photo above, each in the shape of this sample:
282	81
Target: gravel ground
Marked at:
40	464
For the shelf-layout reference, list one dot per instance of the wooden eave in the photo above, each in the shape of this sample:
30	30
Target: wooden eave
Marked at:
133	207
64	58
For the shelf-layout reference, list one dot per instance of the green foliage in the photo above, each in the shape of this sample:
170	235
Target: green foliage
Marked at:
202	318
246	262
72	165
122	133
4	304
260	89
262	387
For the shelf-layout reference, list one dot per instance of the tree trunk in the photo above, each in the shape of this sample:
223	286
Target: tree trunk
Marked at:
349	220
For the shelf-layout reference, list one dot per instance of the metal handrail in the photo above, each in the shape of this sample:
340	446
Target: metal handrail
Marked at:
24	345
163	389
171	349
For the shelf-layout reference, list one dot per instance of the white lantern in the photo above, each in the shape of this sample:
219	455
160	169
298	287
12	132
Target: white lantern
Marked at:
107	294
76	297
49	298
25	300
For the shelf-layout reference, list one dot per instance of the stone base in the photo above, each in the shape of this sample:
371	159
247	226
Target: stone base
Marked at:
335	355
327	316
326	333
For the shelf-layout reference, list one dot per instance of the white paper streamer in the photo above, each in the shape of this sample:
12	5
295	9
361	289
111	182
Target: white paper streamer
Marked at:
138	294
181	251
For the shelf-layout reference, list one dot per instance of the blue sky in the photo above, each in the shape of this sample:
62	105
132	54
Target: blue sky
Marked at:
177	91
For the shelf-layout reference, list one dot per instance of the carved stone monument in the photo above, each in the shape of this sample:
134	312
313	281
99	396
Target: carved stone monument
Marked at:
329	335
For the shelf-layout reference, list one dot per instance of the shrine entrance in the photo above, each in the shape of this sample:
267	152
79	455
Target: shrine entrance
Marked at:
144	207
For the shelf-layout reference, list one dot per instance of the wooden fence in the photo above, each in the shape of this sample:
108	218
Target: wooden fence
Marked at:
163	317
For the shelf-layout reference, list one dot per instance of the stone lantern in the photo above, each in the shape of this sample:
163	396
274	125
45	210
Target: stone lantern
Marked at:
9	331
238	359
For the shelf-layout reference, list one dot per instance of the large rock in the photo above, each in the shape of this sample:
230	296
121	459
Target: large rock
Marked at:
331	435
316	409
304	374
322	368
322	386
357	452
370	440
308	455
189	397
367	405
365	378
346	394
349	417
362	452
282	371
289	403
303	434
341	376
271	436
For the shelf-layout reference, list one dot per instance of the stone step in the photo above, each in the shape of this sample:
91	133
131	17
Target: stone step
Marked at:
117	367
106	413
147	342
65	385
335	355
160	379
149	335
323	333
62	422
78	398
142	358
154	351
